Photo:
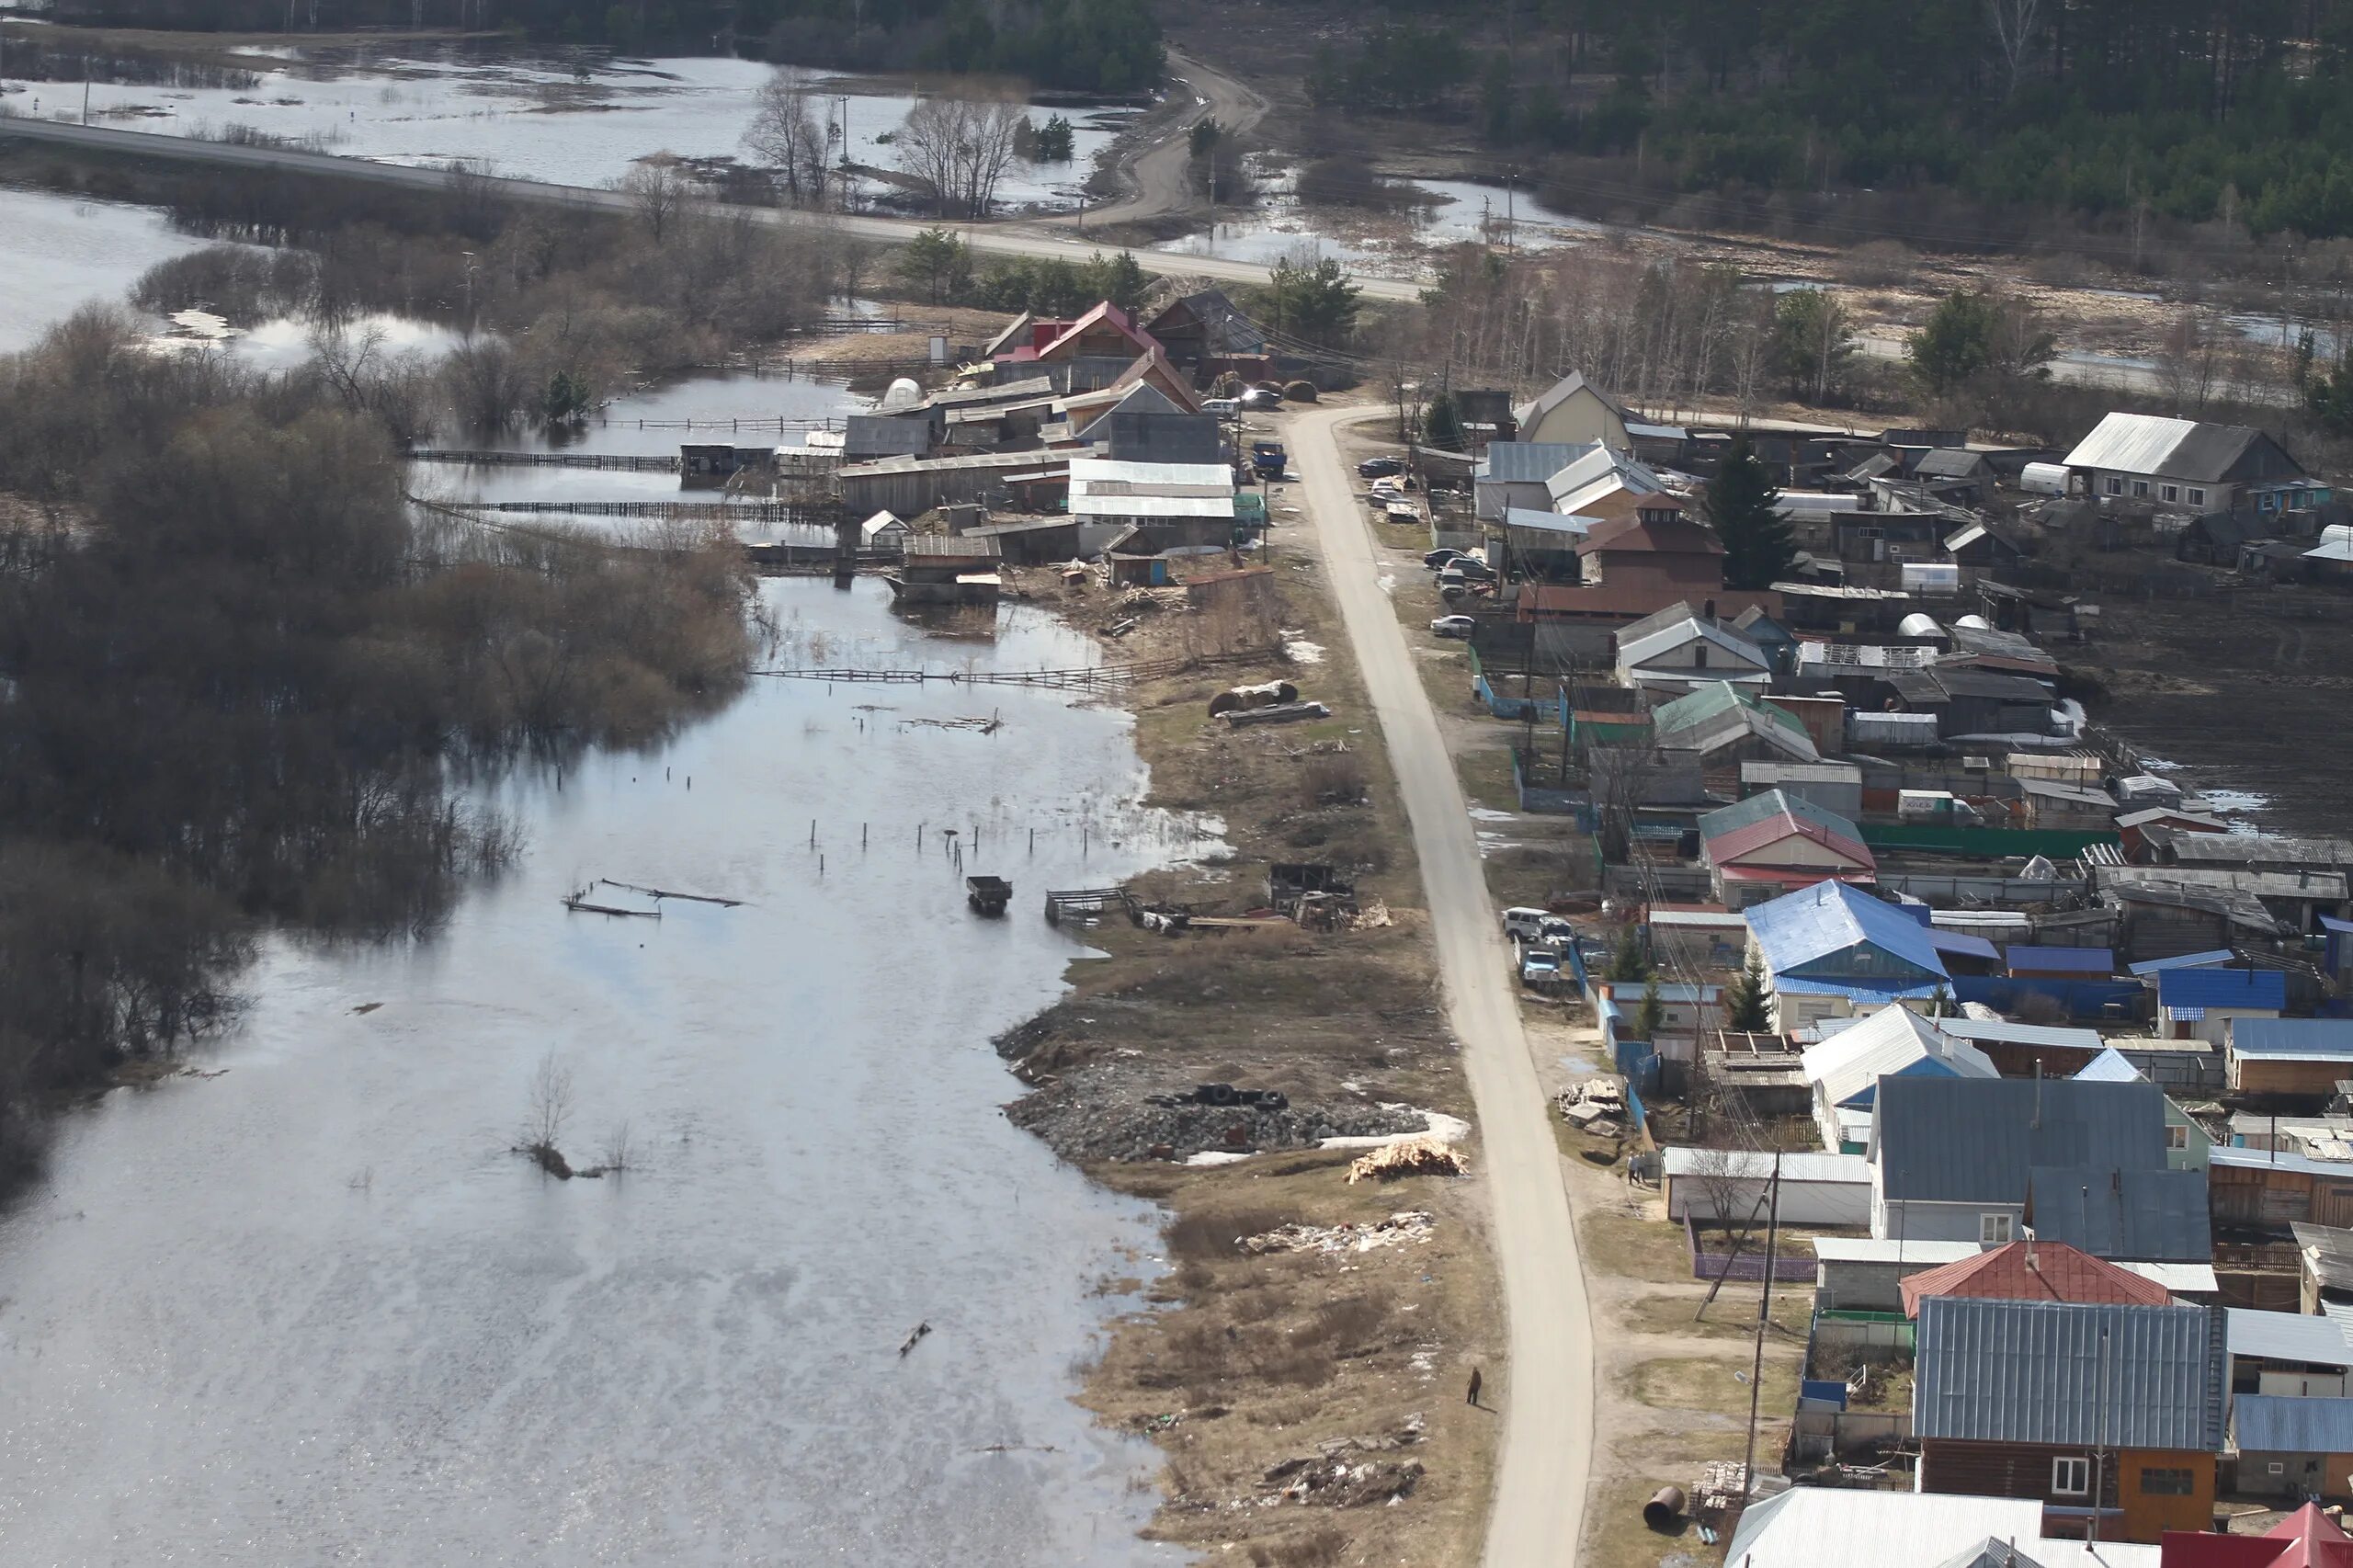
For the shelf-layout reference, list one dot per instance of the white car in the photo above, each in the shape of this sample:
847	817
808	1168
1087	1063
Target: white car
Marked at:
1224	407
1262	397
1525	923
1461	626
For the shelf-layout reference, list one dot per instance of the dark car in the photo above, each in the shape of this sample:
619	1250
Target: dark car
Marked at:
1375	468
1440	557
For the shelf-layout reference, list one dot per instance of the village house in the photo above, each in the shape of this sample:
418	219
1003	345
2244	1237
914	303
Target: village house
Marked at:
2110	1415
2034	1270
1517	474
2189	464
1819	1527
1658	551
2299	1447
1772	844
1719	725
1829	952
2189	1146
1675	653
2201	1002
2296	1355
1573	410
1605	486
1845	1071
2286	1056
1173	506
1207	336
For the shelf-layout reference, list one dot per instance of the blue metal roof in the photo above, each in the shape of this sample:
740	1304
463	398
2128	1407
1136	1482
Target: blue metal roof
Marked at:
2331	923
2185	960
2081	1376
1801	927
1962	942
2281	1423
2293	1039
2223	988
1976	1140
2147	1216
2062	961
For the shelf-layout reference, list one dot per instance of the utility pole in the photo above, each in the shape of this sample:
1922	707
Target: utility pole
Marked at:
1763	1316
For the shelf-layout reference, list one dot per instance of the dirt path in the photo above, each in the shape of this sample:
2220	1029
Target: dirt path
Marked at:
1547	1391
1161	183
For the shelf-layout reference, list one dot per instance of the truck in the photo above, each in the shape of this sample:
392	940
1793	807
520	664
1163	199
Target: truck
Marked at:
987	896
1269	458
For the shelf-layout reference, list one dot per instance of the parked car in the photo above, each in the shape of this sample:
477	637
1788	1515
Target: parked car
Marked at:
1541	968
1262	397
1373	468
1461	626
1523	922
1440	557
1224	407
1470	566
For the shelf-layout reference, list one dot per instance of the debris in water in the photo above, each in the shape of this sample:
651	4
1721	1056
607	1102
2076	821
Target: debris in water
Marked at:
367	1006
665	893
915	1338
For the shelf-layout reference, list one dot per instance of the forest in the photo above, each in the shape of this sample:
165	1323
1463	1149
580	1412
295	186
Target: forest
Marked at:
2197	111
1091	46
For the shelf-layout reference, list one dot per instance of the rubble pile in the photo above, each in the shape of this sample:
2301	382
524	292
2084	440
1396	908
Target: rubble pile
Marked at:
1337	1476
1333	1240
1090	1115
1426	1155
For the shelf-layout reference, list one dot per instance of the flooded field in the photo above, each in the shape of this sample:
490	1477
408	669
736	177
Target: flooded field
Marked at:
62	253
574	118
310	1308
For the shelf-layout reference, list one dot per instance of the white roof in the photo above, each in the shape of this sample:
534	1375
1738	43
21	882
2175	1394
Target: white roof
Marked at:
1546	522
2181	1278
1711	919
879	521
1598	474
1890	1039
1816	1527
2007	1033
2289	1336
2130	443
1109	487
1690	629
1871	1249
1756	1164
2335	544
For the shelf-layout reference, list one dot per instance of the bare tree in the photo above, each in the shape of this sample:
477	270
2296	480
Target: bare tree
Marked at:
2015	23
1748	362
788	135
659	193
2189	363
551	1105
961	149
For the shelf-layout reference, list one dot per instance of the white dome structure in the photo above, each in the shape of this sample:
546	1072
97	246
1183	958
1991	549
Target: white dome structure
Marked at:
1973	623
1918	625
902	395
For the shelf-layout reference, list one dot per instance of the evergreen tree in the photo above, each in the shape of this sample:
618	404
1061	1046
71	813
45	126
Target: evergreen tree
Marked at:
1744	1004
1745	509
1652	1016
1626	959
1442	424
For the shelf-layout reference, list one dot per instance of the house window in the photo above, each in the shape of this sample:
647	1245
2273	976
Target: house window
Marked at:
2197	497
2141	488
1699	657
2177	1137
2168	1482
1994	1230
2115	485
2071	1477
2170	491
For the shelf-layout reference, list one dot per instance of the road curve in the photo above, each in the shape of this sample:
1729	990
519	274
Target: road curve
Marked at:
994	239
1162	173
1538	1511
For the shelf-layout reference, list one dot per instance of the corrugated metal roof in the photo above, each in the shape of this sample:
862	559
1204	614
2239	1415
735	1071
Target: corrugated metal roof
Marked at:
2289	1336
2066	960
1689	629
2181	1278
1812	1526
1805	928
2004	1032
1750	825
1847	1068
2038	1270
1963	1140
2258	988
2155	1214
2183	961
1752	1164
2110	1067
1895	1249
1546	522
2284	1423
1530	462
2130	443
2044	1373
2292	1040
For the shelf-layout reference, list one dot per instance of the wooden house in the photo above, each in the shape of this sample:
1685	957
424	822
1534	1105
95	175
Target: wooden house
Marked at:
2305	1057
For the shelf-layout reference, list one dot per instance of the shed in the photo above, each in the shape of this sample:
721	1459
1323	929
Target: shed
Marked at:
1864	1274
1836	786
1737	1185
2293	1448
2203	1003
2303	1355
2286	1056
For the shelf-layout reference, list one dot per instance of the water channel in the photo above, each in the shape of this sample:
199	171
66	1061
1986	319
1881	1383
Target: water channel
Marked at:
312	1308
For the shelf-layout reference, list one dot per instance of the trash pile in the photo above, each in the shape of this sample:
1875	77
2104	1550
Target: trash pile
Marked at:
1425	1155
1597	1106
1334	1241
1333	1478
1092	1114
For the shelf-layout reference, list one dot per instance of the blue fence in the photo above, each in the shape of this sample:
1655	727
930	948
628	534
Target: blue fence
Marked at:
1520	710
1540	799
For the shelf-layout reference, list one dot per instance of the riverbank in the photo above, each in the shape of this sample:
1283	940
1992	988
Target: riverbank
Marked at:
1307	1351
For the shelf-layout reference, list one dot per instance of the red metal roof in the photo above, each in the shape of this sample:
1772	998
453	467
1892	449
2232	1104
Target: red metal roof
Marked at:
2305	1539
1674	536
2036	1271
1742	842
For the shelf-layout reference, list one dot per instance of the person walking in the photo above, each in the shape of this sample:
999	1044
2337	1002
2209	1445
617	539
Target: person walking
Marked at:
1474	1386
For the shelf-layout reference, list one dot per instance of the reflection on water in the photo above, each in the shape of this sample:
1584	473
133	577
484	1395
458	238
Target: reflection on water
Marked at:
61	253
530	113
313	1310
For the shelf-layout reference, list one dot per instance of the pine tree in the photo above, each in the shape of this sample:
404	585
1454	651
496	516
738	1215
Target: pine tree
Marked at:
1745	509
1442	424
1652	1016
1626	960
1745	1005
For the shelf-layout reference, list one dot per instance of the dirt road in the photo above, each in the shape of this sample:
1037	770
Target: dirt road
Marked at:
1546	1393
1159	174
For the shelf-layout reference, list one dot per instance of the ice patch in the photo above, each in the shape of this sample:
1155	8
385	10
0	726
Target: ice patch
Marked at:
2248	801
1302	652
1389	583
1489	814
1214	1157
1453	1129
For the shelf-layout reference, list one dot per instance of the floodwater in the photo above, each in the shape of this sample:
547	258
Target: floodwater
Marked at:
63	252
534	114
312	1309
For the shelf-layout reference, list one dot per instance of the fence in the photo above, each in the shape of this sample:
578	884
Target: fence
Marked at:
1522	709
1557	799
1863	1331
1983	843
1745	1266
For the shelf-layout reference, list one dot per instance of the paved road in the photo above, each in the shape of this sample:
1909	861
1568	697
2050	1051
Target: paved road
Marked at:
1547	1398
988	238
1162	174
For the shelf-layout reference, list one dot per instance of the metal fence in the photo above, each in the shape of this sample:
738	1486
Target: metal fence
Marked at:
1745	1266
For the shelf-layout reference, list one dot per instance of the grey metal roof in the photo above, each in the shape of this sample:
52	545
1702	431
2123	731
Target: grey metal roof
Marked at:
1991	1553
1974	1140
2179	448
2282	1423
1530	462
2158	1216
1951	463
2308	1341
2050	1372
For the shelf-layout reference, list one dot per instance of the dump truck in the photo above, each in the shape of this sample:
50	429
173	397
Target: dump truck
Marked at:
1269	458
987	896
